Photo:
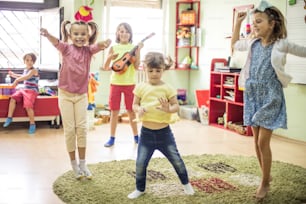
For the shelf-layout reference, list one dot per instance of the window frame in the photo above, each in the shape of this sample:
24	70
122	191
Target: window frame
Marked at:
15	5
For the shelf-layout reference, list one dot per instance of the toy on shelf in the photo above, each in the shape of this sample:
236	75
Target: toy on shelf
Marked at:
184	36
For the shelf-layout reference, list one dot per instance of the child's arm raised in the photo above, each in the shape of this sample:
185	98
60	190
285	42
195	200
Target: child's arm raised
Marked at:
236	33
44	32
104	44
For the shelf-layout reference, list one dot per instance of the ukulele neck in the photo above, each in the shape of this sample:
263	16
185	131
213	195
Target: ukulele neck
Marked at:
133	51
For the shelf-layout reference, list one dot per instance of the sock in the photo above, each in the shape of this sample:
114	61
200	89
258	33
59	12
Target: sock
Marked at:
74	165
82	164
76	169
110	142
188	189
8	121
85	169
136	138
135	194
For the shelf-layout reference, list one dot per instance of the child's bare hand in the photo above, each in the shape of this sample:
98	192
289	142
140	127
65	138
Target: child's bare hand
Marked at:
141	111
241	16
44	32
140	45
107	43
114	56
164	105
15	83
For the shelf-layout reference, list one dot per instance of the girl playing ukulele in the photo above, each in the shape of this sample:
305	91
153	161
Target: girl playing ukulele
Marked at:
122	82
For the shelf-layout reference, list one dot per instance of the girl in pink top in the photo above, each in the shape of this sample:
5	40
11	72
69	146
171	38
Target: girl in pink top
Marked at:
73	83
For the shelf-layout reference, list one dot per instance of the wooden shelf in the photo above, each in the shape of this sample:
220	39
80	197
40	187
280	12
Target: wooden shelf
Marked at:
187	47
225	98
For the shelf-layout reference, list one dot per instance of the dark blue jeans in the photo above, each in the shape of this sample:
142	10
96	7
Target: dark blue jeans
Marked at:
162	140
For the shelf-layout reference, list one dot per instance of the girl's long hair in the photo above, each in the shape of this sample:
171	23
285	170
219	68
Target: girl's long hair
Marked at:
274	14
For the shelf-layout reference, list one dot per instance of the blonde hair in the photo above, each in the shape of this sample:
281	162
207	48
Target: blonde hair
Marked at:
157	60
92	26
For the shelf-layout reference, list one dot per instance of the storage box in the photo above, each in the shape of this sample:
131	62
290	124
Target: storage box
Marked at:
188	17
182	96
6	90
188	112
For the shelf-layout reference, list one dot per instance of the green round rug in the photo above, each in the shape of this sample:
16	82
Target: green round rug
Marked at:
215	178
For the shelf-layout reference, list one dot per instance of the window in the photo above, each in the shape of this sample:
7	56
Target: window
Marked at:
19	32
144	17
19	29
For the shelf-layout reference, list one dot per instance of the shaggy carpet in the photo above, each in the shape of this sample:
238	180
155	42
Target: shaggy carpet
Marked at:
215	178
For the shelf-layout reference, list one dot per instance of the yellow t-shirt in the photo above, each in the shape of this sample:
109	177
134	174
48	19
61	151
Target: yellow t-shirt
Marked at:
149	95
128	77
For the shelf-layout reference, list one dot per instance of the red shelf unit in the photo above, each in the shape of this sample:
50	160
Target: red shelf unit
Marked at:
187	50
225	98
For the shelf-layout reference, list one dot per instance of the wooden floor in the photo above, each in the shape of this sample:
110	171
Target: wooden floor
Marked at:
30	164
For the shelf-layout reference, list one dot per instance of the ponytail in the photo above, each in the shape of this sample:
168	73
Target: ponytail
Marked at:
65	31
93	34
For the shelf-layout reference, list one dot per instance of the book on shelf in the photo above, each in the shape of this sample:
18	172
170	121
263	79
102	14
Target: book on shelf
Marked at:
235	70
230	98
227	69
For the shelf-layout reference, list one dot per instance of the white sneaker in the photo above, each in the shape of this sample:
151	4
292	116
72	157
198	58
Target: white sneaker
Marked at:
188	189
78	173
135	194
86	172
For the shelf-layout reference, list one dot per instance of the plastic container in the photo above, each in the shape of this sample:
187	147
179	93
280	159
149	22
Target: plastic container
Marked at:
8	79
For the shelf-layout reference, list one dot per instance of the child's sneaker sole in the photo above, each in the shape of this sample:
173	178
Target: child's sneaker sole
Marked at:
79	177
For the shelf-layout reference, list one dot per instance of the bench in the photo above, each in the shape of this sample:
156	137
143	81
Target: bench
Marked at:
45	109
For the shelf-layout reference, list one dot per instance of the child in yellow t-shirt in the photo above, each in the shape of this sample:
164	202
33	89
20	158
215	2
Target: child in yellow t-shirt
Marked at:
156	104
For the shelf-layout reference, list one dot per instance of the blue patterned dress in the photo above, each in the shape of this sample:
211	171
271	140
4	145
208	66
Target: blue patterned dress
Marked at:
264	101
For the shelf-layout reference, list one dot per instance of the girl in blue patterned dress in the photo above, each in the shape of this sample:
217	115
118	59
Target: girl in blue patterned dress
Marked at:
263	79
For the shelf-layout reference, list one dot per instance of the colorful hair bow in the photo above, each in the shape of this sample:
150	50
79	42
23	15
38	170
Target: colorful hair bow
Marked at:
263	5
84	14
